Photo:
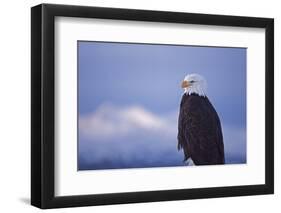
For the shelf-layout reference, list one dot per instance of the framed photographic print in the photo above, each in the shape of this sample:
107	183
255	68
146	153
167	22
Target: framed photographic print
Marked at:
139	106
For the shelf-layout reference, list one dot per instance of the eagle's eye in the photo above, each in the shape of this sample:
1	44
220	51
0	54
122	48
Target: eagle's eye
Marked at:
191	81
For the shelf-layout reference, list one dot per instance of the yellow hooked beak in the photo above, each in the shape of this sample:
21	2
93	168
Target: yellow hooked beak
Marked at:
185	84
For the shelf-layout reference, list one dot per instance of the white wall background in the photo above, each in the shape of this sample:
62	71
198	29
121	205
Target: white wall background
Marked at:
15	105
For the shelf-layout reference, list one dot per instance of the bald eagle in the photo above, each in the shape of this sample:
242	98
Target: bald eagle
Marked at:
199	128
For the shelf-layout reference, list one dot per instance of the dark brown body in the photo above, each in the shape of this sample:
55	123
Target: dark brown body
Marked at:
199	131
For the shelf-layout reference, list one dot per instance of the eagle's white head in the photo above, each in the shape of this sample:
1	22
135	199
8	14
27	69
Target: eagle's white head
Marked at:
194	83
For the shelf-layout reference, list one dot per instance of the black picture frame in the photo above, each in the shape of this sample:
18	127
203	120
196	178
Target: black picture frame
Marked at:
43	102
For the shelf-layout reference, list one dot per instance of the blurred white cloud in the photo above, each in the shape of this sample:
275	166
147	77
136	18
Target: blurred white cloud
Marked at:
109	121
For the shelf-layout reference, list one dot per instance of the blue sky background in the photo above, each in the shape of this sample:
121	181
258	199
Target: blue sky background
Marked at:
129	97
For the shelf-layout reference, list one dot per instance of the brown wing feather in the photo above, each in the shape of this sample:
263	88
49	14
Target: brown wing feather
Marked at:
199	131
